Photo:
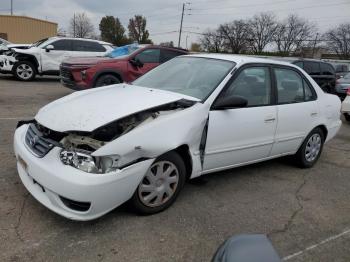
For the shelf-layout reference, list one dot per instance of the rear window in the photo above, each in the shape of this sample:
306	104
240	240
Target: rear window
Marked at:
312	68
327	69
169	54
87	46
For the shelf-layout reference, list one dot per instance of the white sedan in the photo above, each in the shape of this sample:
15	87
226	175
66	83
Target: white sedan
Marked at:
89	152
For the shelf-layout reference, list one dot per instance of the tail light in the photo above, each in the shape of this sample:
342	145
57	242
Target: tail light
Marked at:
348	92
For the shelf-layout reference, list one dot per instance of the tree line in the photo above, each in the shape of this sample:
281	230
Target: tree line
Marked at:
263	31
111	29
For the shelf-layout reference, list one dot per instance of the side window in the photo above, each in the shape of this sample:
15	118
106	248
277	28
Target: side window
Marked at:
169	54
253	84
291	87
312	68
87	46
62	45
327	69
149	56
299	64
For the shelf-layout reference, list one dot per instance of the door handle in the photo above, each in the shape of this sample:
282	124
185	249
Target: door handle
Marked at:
270	119
314	114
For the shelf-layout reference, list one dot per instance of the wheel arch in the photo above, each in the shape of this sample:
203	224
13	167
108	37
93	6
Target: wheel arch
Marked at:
184	153
29	58
108	72
324	130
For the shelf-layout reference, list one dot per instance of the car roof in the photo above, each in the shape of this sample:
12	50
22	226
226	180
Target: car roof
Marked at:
242	59
77	38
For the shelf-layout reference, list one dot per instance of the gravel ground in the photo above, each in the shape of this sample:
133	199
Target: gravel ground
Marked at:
296	208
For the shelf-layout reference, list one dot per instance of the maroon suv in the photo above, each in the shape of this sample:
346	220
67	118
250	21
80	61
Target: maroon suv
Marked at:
123	64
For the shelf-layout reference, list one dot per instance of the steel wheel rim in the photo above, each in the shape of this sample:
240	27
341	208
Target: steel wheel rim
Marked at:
313	147
159	184
24	71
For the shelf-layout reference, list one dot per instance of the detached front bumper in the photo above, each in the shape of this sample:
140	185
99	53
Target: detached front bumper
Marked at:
60	187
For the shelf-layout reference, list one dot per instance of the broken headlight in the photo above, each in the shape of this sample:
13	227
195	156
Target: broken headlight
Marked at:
87	163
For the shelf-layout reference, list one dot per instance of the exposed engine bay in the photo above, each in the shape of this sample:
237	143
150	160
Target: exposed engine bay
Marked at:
78	146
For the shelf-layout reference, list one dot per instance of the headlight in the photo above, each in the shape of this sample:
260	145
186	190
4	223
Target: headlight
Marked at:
87	163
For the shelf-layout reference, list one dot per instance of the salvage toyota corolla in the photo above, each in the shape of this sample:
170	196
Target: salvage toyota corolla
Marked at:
89	152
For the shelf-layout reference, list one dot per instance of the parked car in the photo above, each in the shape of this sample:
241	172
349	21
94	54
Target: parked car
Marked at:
45	56
346	106
342	85
341	70
123	64
89	152
322	72
6	45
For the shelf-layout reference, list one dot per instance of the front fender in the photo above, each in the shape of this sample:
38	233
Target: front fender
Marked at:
165	133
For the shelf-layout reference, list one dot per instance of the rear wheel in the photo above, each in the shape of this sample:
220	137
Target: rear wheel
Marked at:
311	149
107	80
161	184
24	70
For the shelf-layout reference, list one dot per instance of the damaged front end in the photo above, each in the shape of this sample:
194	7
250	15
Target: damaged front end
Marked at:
78	147
7	60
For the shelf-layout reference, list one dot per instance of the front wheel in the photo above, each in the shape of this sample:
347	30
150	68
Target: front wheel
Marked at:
24	70
311	149
347	116
107	80
161	184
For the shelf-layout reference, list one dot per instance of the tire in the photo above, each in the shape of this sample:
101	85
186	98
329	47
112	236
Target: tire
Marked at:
24	70
107	80
347	117
155	194
311	149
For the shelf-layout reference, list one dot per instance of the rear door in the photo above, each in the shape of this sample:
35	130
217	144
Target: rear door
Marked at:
166	55
150	58
328	77
297	109
51	59
314	70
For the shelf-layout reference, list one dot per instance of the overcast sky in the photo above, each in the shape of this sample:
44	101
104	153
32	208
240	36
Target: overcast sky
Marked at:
163	17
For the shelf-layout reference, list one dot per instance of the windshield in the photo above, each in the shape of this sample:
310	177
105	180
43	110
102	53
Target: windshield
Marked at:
192	76
37	43
123	51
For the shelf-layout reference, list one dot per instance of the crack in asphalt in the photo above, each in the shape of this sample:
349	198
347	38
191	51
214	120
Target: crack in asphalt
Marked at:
20	219
290	221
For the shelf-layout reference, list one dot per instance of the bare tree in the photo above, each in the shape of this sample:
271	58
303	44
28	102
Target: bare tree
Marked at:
235	35
138	31
212	41
262	28
292	33
81	26
338	40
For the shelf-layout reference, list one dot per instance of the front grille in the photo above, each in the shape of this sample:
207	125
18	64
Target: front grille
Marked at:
39	145
66	76
75	205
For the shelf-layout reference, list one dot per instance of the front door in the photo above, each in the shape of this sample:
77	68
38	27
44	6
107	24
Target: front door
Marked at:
242	135
51	59
150	58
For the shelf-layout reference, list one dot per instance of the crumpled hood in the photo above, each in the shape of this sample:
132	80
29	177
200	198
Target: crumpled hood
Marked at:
90	109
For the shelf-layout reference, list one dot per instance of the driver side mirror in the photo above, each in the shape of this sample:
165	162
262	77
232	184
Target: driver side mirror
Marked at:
48	48
136	62
230	102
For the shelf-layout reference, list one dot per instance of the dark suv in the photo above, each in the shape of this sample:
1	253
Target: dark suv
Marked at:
123	64
323	73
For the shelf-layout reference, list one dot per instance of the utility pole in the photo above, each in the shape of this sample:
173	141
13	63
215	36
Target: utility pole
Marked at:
313	49
74	25
182	18
11	7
